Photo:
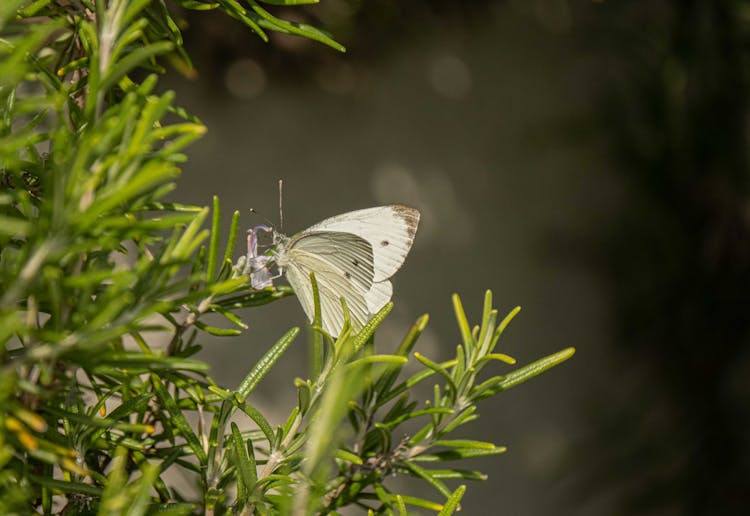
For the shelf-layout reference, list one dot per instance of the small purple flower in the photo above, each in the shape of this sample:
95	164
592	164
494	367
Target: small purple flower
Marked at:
258	266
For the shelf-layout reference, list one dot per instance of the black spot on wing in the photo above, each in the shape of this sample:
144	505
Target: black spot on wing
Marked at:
385	243
348	275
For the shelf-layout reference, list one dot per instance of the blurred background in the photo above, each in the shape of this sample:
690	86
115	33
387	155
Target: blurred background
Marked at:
585	160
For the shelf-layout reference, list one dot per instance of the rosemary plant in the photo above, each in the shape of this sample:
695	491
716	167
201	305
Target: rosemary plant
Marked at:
104	288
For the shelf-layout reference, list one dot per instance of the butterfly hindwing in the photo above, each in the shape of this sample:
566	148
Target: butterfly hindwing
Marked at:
378	295
343	267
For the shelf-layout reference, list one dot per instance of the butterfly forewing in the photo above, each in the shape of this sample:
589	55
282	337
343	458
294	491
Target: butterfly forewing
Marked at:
389	229
347	252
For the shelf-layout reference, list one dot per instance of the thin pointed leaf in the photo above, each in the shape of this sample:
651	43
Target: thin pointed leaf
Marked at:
421	502
464	417
369	329
463	323
385	497
233	319
465	443
463	474
438	368
233	232
401	506
268	21
348	457
256	298
425	474
233	8
504	324
385	382
458	454
290	2
139	362
502	357
304	394
190	238
245	463
452	504
391	360
289	424
521	375
213	246
178	419
63	486
112	500
432	411
219	332
140	499
488	320
133	60
251	381
248	410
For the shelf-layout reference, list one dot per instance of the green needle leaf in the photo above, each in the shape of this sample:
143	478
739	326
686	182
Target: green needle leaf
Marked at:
437	368
521	375
178	419
463	323
133	60
245	462
213	246
451	505
426	475
233	233
500	329
251	381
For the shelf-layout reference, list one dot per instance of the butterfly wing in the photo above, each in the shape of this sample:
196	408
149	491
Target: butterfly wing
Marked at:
389	230
343	267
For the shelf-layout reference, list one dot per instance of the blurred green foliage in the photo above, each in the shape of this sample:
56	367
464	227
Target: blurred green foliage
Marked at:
674	108
104	289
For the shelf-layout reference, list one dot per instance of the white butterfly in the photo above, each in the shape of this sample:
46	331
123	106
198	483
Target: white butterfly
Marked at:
352	256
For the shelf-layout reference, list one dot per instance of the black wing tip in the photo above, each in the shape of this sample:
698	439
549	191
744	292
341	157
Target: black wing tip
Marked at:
409	215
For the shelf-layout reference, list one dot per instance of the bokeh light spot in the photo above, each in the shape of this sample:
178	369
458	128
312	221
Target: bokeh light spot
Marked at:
450	77
245	79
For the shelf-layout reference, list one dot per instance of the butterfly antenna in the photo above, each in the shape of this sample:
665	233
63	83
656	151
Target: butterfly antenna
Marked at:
281	206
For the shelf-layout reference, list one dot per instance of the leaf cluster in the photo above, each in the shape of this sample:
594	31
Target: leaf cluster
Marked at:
367	391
